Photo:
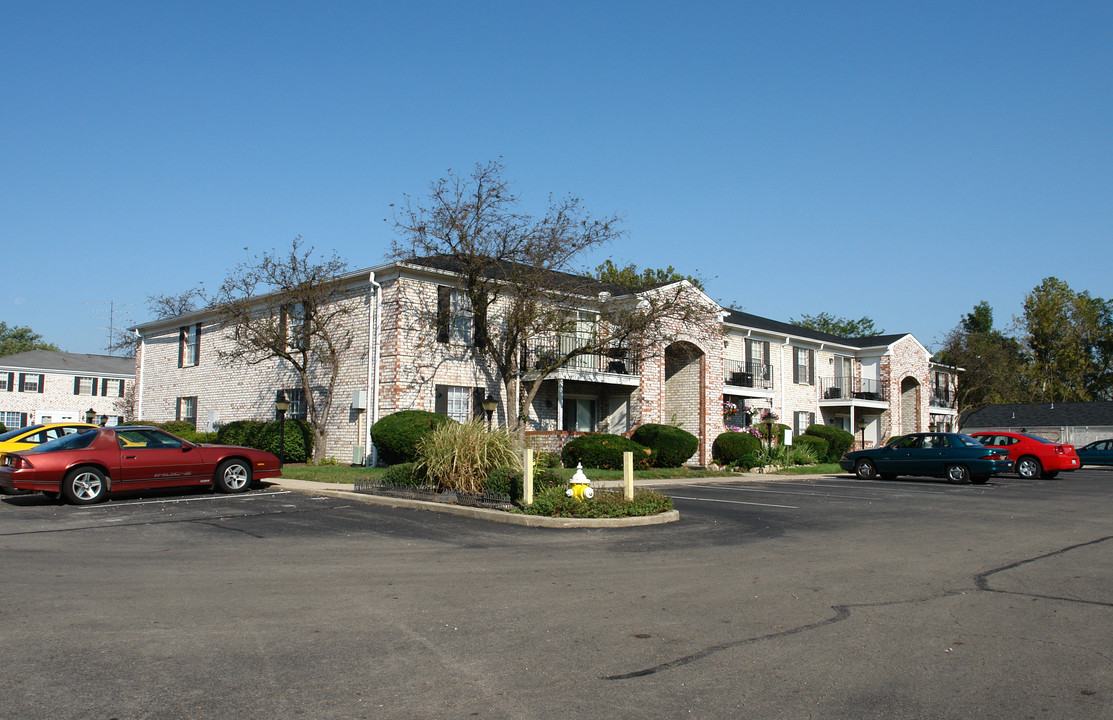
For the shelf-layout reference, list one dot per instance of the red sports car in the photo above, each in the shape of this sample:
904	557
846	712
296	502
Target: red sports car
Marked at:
85	466
1032	456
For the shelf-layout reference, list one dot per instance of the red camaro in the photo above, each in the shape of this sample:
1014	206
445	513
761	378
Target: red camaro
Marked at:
1032	456
84	467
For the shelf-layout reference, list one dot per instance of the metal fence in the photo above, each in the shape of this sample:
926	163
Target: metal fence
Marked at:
753	374
834	388
429	493
616	359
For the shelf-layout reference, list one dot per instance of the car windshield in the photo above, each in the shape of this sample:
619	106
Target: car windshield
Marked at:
967	440
73	441
1037	439
18	431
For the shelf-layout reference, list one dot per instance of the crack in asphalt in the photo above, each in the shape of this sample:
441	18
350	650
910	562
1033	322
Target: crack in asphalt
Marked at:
842	612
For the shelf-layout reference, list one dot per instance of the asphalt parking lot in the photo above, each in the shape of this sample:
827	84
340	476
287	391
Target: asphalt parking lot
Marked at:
824	598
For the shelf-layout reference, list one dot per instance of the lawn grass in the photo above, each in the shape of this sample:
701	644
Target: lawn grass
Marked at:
820	469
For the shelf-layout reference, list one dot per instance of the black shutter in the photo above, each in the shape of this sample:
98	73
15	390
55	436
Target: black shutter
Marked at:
795	365
122	387
197	352
181	346
77	386
42	383
178	410
478	396
23	419
104	387
22	381
94	387
444	309
811	367
440	402
479	320
11	382
749	357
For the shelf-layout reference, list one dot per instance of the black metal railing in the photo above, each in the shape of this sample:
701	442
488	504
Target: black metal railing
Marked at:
755	374
544	353
942	399
851	388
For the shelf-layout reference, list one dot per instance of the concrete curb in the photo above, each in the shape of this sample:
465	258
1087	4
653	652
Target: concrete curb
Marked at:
334	490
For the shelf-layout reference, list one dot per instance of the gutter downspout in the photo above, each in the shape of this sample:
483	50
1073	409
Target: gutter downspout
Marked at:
374	328
142	350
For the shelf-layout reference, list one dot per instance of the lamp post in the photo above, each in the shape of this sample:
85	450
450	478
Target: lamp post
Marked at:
89	415
862	428
489	407
281	404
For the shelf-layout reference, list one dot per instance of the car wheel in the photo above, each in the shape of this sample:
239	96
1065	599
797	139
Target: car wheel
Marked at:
865	469
980	479
1049	475
233	476
1028	467
85	486
958	474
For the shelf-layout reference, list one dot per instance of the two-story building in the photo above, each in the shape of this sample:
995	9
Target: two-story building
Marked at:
44	386
411	346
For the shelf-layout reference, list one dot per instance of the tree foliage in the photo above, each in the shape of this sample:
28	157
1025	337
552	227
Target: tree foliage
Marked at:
843	327
521	267
20	338
125	342
1069	336
290	306
634	280
993	363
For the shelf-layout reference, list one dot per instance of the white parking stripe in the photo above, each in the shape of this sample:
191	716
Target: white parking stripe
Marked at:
733	502
251	496
747	488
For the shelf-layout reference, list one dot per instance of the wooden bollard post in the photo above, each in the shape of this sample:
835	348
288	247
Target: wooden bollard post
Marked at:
527	477
628	475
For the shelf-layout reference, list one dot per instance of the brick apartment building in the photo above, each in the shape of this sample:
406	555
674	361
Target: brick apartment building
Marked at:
43	386
411	349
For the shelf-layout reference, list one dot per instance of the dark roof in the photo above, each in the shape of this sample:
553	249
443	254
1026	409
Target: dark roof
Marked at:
1056	414
71	363
737	317
503	269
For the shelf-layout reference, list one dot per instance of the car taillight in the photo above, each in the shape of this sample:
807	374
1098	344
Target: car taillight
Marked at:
16	462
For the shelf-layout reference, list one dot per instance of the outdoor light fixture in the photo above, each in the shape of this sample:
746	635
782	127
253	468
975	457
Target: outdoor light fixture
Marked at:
89	415
281	404
489	407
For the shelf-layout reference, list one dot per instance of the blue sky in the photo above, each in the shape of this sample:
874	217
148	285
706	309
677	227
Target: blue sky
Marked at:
902	161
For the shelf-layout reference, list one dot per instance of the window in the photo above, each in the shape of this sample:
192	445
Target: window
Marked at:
31	383
7	381
112	388
801	421
579	415
187	410
189	345
13	420
803	366
298	408
294	326
84	386
455	402
454	316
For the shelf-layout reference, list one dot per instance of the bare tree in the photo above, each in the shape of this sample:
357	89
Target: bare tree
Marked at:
288	306
124	342
517	274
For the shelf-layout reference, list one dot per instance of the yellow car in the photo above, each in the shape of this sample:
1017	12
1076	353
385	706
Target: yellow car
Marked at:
28	437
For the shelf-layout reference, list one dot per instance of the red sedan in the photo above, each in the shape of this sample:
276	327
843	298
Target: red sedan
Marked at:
85	466
1032	456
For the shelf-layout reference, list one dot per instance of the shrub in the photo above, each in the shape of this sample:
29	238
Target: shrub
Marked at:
504	481
396	435
238	432
802	454
298	436
606	503
730	447
402	474
838	440
778	431
604	451
460	456
545	478
671	445
547	460
817	446
3	428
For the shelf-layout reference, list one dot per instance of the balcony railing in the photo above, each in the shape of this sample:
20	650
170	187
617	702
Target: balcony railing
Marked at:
542	353
740	373
851	388
942	400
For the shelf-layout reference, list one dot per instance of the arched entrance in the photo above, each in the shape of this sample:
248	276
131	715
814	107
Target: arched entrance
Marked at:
909	405
684	388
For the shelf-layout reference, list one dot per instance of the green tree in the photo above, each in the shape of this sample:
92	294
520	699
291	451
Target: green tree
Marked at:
1068	336
634	280
21	339
993	363
843	327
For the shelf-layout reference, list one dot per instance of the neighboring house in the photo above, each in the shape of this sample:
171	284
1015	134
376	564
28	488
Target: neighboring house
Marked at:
41	386
412	349
1077	423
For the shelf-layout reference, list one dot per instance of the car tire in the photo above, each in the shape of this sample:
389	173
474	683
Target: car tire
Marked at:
1028	467
85	486
980	479
958	474
865	469
1048	475
233	476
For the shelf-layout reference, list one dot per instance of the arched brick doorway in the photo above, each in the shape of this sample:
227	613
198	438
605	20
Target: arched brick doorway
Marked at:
909	405
684	388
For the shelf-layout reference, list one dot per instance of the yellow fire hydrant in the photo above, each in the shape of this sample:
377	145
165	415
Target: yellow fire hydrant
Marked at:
581	487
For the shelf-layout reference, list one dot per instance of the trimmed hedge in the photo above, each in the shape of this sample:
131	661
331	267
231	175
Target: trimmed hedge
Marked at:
730	448
396	435
604	451
403	474
671	445
838	440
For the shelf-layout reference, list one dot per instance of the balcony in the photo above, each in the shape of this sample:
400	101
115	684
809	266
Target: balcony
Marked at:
852	388
942	399
739	373
615	359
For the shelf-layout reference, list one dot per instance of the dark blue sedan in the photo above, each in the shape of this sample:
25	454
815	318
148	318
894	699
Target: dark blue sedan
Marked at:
1099	452
956	457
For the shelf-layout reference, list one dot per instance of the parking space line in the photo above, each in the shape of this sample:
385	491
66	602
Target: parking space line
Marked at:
745	488
734	502
251	496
